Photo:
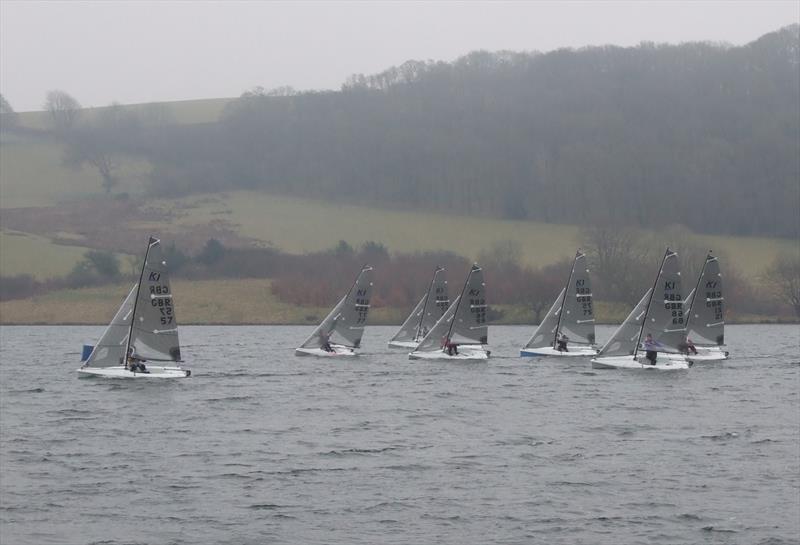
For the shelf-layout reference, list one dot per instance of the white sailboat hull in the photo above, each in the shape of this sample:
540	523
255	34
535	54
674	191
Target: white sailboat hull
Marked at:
153	372
338	351
663	363
465	353
704	353
403	344
575	351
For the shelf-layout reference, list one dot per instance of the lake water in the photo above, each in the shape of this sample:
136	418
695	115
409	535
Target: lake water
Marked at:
262	447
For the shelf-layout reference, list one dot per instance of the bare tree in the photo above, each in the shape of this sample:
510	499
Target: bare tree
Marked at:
783	276
619	258
8	117
63	109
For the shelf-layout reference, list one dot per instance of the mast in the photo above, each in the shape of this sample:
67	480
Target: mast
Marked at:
564	299
460	298
425	304
650	300
150	242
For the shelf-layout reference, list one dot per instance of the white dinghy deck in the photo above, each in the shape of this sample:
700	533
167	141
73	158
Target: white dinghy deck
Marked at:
152	372
336	351
465	353
639	363
549	351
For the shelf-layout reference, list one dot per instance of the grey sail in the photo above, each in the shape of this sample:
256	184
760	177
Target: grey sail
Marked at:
427	312
545	333
408	331
576	319
344	325
623	341
436	337
706	310
436	304
154	332
665	319
469	320
110	349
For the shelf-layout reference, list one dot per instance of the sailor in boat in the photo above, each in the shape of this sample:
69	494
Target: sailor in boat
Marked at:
650	347
326	342
135	363
688	347
562	342
450	347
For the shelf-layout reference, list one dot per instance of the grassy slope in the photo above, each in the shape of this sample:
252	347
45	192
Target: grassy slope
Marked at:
29	254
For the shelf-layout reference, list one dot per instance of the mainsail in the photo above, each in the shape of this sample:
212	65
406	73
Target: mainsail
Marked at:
154	329
110	349
345	323
623	341
408	331
706	310
427	312
469	319
545	333
665	319
576	319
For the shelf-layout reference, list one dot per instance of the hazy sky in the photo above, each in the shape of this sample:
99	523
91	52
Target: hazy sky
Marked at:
149	51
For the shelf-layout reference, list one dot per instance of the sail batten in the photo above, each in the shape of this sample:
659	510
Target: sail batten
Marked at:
706	321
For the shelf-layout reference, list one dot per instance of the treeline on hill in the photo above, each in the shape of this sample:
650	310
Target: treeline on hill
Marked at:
700	134
622	264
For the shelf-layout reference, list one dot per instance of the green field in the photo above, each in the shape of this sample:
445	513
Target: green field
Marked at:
298	225
22	253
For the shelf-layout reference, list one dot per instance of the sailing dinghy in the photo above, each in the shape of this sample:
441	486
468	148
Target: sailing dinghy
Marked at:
339	334
144	327
461	334
425	315
571	315
658	314
706	314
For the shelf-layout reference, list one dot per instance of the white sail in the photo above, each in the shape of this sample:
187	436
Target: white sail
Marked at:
427	312
344	325
436	337
154	332
408	331
110	349
546	332
436	303
665	319
469	321
576	319
623	341
706	310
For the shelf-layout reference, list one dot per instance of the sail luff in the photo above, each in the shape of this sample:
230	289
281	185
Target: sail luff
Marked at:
406	333
546	321
425	305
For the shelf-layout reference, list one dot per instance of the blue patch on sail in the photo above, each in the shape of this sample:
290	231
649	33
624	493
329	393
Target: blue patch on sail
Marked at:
87	351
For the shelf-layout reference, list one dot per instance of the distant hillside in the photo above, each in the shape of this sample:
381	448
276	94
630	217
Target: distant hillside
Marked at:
699	134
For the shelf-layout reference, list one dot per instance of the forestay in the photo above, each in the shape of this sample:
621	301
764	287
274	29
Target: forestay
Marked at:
706	311
344	325
665	319
623	341
576	319
545	333
469	321
110	349
154	332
